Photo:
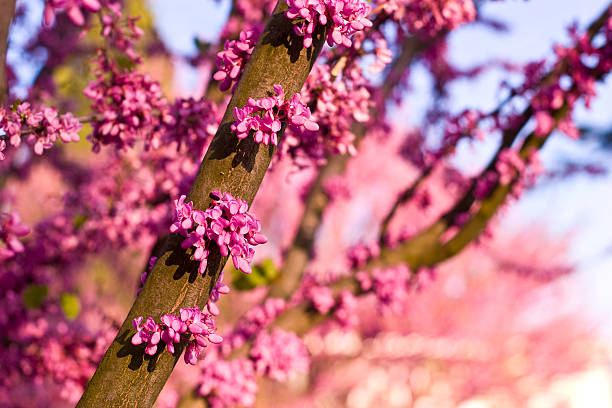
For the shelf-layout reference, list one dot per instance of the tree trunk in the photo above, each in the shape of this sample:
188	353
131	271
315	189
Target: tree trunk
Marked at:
126	377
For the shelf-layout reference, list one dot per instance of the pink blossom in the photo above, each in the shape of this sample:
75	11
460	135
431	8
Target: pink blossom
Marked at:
39	128
256	319
389	285
227	383
226	222
383	56
268	113
11	229
72	8
344	17
346	313
279	355
190	322
130	105
508	164
234	56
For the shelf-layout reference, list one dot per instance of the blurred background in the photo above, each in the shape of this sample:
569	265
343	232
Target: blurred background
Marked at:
572	208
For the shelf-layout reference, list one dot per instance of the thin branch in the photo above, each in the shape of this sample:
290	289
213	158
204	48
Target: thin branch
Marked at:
301	250
403	198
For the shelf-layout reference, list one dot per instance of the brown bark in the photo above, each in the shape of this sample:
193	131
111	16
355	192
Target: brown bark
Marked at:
7	12
126	377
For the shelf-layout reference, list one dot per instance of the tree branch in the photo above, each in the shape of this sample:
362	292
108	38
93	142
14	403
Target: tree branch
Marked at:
7	12
126	377
425	249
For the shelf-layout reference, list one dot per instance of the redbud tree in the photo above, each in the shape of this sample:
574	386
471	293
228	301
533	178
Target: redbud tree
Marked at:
365	268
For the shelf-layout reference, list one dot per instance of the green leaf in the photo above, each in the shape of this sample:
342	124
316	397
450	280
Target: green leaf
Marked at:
71	306
34	296
267	269
263	274
124	62
79	220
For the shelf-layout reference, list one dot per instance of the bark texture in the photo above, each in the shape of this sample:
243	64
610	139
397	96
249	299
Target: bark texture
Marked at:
7	12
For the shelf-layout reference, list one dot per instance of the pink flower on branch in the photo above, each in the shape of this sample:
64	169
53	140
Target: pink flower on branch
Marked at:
234	56
72	8
344	18
11	229
264	116
279	355
227	383
173	329
227	223
38	127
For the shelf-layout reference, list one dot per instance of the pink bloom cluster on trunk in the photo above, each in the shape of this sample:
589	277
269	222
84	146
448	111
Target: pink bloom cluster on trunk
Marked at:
38	127
279	355
345	17
11	229
269	112
219	289
234	56
190	322
226	222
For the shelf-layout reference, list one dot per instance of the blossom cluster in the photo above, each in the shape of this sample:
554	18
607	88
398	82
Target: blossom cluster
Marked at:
120	33
226	222
11	229
227	383
279	355
431	16
233	57
194	123
578	65
508	164
346	17
383	56
389	285
171	330
338	105
256	319
342	307
72	8
130	106
358	255
39	127
346	310
269	111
